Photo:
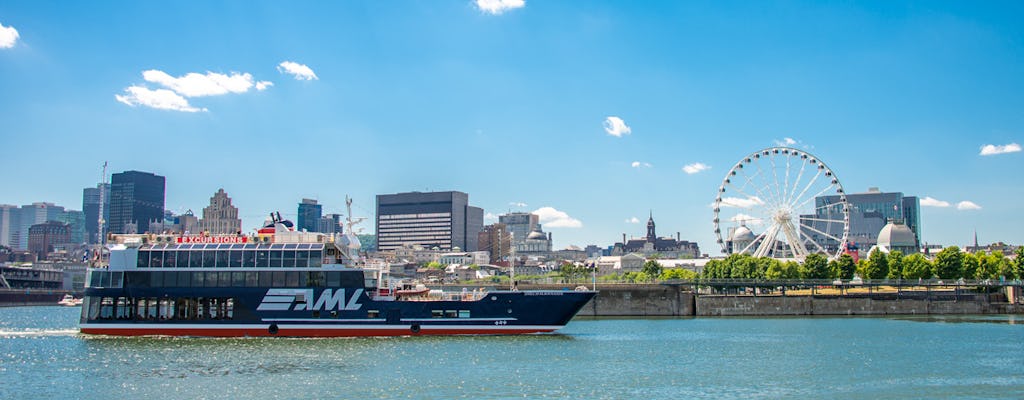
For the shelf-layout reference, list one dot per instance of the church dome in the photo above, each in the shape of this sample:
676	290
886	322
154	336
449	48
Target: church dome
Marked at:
895	235
536	235
742	234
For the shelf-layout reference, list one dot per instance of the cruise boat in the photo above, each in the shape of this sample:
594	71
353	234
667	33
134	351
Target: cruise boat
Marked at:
280	282
69	301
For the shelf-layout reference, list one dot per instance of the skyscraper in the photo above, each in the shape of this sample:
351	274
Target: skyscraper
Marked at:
434	219
91	208
520	224
869	212
220	217
8	223
32	214
136	198
309	216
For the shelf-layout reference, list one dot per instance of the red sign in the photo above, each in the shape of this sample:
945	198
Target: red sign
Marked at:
212	239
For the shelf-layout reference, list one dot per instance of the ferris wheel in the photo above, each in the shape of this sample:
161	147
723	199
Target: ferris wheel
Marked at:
791	197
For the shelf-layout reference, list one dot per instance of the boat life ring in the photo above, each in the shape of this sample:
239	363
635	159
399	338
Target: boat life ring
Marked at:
415	328
272	329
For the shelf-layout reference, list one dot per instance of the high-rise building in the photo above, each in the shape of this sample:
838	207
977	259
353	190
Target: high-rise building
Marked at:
44	237
91	208
220	217
330	223
76	225
28	215
433	219
520	224
136	198
309	216
869	213
495	240
8	223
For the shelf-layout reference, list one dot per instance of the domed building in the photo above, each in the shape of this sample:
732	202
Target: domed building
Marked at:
896	236
536	242
741	238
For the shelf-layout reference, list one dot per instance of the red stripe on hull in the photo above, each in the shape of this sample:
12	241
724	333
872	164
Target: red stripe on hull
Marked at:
302	332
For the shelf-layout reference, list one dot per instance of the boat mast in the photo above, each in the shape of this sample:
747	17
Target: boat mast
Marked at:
512	261
99	219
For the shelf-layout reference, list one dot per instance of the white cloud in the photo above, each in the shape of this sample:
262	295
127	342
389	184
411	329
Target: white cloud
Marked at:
695	168
615	126
633	220
162	99
517	204
300	71
552	218
747	219
195	84
930	202
788	141
495	7
263	85
8	36
490	217
967	205
737	202
992	149
638	164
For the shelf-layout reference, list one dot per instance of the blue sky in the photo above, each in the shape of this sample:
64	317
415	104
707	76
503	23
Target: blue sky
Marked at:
509	104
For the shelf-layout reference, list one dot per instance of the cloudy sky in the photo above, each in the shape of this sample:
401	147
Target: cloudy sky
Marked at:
593	114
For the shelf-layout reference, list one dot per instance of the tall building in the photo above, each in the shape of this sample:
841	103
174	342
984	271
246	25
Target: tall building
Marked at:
220	217
91	208
44	237
28	215
136	198
330	223
309	216
76	225
8	223
495	240
433	219
869	213
520	224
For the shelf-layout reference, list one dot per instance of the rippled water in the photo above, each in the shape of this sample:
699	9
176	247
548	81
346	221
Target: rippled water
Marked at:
43	356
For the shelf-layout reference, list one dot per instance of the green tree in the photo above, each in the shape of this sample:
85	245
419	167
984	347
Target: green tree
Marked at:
1018	263
652	268
988	266
434	265
774	271
816	267
1006	268
915	266
677	273
790	270
844	267
895	265
971	264
862	267
877	266
949	263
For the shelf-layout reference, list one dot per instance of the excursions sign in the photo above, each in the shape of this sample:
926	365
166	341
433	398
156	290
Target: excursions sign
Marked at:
212	239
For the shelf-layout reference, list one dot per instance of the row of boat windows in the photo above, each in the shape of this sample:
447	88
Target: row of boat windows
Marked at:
196	279
152	308
230	259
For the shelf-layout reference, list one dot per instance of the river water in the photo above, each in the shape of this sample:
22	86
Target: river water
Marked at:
43	356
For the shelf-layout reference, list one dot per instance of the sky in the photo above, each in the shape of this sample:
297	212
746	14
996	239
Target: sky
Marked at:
595	114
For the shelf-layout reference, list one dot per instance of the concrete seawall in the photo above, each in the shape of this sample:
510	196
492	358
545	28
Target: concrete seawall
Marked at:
669	300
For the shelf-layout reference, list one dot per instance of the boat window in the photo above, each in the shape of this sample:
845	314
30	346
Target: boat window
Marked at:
143	261
315	259
181	260
224	279
169	259
315	279
156	279
275	258
211	279
303	279
137	279
94	278
156	259
248	257
278	280
291	246
301	259
235	260
107	308
352	279
222	258
288	258
436	313
197	279
238	279
184	278
170	279
166	308
252	279
333	279
264	278
291	279
372	313
463	313
195	259
124	308
451	314
262	258
209	259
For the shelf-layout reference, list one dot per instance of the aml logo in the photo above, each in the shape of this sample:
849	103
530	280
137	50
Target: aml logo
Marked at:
282	300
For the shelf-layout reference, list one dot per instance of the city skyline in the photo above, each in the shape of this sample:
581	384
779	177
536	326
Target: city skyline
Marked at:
591	114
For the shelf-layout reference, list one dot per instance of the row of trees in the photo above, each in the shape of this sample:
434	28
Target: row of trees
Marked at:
950	263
